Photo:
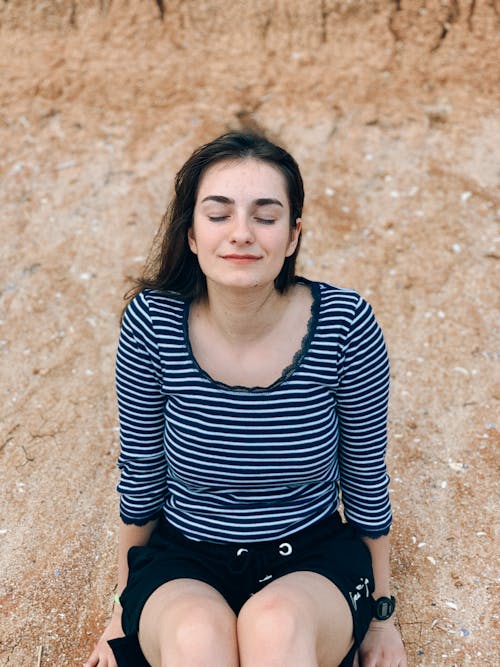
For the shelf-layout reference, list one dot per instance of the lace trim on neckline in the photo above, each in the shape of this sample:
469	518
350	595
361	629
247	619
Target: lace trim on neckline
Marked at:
288	371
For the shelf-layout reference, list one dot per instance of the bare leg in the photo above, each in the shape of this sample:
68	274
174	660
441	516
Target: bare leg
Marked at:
186	623
299	620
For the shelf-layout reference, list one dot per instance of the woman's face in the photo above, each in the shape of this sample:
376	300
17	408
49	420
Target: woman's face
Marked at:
241	229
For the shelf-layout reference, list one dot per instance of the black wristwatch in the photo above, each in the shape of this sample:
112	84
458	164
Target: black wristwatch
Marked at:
383	608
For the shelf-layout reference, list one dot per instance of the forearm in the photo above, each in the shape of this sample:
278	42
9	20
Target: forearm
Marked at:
130	536
382	644
380	553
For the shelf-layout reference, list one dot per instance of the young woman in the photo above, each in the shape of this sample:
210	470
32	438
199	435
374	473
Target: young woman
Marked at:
249	400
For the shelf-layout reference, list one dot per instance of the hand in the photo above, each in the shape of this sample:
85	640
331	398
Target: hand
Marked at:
102	655
381	647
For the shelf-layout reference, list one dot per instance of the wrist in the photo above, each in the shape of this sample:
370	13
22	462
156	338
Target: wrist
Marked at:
383	607
117	607
376	623
116	616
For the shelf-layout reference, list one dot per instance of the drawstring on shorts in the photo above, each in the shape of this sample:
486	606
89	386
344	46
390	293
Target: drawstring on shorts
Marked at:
255	560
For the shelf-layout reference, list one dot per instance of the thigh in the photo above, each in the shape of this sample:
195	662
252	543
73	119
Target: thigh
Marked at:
309	608
186	620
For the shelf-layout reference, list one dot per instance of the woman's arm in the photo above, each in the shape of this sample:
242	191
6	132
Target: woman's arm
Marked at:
380	553
382	644
128	536
362	408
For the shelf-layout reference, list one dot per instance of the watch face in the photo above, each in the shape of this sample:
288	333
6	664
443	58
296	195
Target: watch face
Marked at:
384	608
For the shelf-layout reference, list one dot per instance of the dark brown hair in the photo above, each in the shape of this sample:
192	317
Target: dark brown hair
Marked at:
171	265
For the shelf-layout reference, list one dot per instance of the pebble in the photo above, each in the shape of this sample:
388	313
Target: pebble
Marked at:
17	168
65	165
465	196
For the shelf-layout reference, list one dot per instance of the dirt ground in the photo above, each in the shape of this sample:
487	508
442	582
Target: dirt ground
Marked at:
391	108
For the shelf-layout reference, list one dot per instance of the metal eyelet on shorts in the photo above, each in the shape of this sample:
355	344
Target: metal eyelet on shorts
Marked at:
285	549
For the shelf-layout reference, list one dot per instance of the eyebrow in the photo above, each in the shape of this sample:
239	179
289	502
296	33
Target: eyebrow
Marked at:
263	201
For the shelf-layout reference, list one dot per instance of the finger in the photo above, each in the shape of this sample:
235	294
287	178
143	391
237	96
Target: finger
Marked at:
93	660
110	657
355	662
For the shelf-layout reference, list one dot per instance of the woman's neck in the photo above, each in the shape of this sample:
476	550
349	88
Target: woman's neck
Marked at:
243	316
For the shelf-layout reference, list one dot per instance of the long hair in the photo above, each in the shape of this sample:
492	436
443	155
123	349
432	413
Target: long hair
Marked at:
171	266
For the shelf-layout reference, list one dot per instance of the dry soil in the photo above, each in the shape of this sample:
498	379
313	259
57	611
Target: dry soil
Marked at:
391	109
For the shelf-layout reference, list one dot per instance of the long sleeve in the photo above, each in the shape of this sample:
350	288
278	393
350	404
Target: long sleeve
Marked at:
141	411
362	409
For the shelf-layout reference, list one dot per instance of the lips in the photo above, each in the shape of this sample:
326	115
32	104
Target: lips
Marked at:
241	258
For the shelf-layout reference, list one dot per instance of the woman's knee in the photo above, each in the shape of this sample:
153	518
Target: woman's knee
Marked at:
199	625
275	624
189	629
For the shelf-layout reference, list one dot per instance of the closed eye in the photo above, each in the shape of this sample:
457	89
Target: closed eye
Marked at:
266	221
218	218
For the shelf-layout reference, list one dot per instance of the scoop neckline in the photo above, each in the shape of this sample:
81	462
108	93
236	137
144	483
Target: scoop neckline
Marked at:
287	372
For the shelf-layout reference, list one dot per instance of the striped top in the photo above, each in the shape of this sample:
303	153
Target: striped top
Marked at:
240	464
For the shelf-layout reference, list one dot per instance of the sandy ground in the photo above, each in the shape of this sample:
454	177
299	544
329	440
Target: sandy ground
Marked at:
392	111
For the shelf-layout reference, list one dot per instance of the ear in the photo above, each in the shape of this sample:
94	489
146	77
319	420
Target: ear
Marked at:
294	237
192	240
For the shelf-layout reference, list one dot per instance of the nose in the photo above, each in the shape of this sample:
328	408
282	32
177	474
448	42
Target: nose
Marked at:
241	230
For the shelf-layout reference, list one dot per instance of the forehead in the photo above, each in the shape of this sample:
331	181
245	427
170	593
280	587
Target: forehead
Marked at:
246	178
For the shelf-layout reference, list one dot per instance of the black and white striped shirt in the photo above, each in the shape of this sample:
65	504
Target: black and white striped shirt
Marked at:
239	464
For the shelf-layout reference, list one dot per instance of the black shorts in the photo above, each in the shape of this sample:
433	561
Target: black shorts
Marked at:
237	571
